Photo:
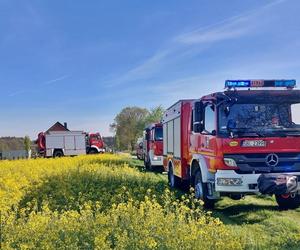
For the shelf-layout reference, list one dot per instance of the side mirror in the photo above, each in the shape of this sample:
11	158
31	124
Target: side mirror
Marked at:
147	136
227	111
198	125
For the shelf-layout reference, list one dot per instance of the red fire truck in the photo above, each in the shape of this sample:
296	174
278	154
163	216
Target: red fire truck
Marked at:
153	146
69	143
244	140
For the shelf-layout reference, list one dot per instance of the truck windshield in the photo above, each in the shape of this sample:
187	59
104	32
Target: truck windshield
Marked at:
262	119
158	135
95	137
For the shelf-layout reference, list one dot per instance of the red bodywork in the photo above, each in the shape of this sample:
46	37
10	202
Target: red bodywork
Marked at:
94	140
41	142
151	143
213	147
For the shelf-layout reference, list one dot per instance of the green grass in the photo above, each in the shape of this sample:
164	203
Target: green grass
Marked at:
258	223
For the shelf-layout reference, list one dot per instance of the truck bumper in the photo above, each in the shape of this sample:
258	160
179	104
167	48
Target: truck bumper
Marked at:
157	161
228	181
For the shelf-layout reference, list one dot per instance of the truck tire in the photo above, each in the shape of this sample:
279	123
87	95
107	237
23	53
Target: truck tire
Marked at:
201	191
173	180
92	151
288	201
147	164
58	153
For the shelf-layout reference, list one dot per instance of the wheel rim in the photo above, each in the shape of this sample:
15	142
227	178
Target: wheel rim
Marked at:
58	154
198	189
172	179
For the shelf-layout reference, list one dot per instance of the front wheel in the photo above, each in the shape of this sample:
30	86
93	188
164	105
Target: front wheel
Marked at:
201	191
147	164
288	201
174	181
92	151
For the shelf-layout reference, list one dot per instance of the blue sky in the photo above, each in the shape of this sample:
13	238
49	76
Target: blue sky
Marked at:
83	61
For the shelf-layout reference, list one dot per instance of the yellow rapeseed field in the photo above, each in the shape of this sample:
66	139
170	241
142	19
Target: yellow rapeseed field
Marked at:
99	202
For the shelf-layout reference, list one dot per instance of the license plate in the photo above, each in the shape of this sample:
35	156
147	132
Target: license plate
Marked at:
253	143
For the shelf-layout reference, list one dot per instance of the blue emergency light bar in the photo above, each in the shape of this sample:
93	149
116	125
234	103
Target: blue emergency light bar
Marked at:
260	83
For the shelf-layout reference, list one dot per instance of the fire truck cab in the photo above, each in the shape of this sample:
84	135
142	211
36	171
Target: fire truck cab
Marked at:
94	143
233	142
153	146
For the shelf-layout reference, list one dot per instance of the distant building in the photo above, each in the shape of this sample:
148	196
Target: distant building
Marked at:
58	127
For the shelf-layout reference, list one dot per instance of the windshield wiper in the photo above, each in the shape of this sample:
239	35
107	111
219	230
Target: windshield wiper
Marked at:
285	132
246	133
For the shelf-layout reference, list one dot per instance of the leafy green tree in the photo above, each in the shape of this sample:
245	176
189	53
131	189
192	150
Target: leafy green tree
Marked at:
11	143
154	115
27	143
128	126
130	123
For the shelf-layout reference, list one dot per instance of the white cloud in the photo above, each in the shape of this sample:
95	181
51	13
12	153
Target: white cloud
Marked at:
196	40
56	80
146	68
52	81
230	28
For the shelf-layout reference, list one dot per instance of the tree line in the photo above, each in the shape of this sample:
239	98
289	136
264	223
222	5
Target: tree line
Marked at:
129	124
15	143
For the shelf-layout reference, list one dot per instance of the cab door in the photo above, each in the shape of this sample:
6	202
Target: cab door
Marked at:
203	138
208	135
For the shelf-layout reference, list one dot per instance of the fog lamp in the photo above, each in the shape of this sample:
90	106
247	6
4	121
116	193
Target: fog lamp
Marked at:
230	162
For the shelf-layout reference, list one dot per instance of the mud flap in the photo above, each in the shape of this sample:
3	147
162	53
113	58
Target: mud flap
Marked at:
278	184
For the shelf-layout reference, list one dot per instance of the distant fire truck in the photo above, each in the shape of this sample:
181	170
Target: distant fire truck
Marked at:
244	140
153	146
69	143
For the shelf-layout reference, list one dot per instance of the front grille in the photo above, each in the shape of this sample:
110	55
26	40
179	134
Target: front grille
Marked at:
249	163
264	155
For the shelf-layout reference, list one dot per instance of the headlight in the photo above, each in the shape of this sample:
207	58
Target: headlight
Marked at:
230	162
156	158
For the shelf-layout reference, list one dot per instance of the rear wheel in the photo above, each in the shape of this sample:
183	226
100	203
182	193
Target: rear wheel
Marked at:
58	153
288	201
174	181
201	191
